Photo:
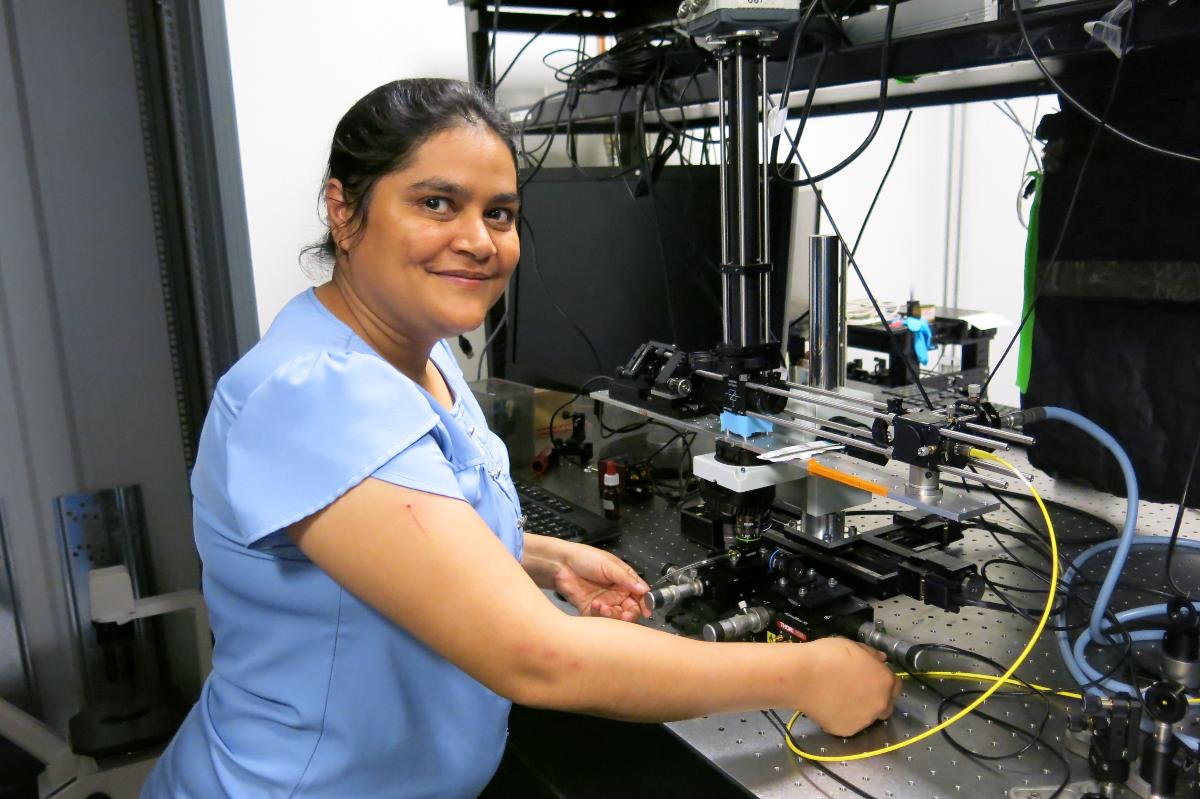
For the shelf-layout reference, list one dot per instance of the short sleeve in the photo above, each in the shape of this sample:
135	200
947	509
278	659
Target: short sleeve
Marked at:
315	428
423	466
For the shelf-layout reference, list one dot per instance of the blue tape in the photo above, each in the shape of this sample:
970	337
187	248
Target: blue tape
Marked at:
744	426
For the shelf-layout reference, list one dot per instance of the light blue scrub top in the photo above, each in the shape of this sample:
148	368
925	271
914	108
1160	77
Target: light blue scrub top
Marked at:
312	692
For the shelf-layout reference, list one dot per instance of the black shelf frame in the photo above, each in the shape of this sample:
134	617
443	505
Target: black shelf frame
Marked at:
1056	32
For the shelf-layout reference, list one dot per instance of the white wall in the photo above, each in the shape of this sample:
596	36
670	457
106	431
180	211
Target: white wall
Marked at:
293	80
916	237
297	66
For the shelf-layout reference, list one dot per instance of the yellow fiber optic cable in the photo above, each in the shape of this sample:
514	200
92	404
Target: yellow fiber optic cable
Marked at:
999	681
967	676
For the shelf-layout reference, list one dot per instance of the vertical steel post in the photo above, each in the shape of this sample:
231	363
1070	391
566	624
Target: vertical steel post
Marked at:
827	313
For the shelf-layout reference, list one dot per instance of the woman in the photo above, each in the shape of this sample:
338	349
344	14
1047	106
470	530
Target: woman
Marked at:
375	604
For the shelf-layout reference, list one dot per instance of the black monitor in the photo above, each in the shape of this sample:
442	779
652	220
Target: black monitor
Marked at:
607	265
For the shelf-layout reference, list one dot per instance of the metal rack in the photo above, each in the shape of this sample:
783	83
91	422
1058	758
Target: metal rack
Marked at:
1055	29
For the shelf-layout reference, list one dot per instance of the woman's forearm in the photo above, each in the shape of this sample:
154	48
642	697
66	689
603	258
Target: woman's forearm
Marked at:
635	673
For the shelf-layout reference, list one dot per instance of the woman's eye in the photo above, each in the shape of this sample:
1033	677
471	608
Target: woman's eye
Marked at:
439	204
505	215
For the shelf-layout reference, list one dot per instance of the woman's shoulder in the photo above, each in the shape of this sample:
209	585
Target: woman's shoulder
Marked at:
307	351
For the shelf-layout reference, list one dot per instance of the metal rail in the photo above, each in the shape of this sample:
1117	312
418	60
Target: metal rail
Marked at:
1004	435
807	428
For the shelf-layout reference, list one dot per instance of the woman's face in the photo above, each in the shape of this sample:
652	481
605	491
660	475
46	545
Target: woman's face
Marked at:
440	239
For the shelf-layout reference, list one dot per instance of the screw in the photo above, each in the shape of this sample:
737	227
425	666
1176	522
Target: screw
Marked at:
833	582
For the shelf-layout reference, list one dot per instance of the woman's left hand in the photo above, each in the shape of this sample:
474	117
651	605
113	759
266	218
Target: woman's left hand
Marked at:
599	583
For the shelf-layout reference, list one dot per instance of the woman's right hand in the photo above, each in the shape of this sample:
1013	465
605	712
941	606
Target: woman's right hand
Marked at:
847	685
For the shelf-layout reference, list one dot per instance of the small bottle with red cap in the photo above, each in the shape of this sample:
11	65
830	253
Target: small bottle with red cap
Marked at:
610	494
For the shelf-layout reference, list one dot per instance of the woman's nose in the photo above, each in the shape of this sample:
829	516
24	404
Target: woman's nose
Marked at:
475	239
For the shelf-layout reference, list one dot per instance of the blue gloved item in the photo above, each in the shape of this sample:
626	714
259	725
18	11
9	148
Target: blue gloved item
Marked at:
922	337
744	426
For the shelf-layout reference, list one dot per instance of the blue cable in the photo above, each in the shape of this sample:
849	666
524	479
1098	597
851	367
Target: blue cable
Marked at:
1125	541
1138	636
1074	656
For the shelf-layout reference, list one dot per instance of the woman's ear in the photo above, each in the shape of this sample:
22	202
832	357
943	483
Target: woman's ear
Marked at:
338	212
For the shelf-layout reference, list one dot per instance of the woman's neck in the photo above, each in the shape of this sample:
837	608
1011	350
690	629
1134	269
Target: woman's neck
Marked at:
409	355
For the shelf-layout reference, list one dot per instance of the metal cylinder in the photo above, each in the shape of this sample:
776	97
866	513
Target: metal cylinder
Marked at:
665	597
923	483
764	244
722	172
898	650
748	622
826	313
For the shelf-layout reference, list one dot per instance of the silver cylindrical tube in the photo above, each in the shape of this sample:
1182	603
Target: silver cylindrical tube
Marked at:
898	650
726	257
870	403
967	438
743	189
994	469
978	478
826	313
1004	435
764	248
668	595
923	483
750	621
825	434
842	428
827	402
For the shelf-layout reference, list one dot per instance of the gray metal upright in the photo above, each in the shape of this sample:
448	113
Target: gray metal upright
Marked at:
827	313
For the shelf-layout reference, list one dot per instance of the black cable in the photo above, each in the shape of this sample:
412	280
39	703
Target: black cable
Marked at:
885	53
538	273
789	71
1062	231
609	432
1102	121
657	95
887	172
1033	738
557	21
549	139
1052	505
836	19
805	113
1187	484
1079	582
554	441
487	344
492	48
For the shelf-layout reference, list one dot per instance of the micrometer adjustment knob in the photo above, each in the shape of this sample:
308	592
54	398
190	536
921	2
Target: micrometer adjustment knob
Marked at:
668	595
749	621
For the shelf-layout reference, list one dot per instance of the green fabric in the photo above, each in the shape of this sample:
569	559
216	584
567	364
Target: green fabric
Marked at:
1025	352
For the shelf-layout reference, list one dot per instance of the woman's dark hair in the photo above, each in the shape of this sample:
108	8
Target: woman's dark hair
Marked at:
380	133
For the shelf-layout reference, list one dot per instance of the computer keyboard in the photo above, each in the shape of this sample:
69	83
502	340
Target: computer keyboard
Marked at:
546	513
